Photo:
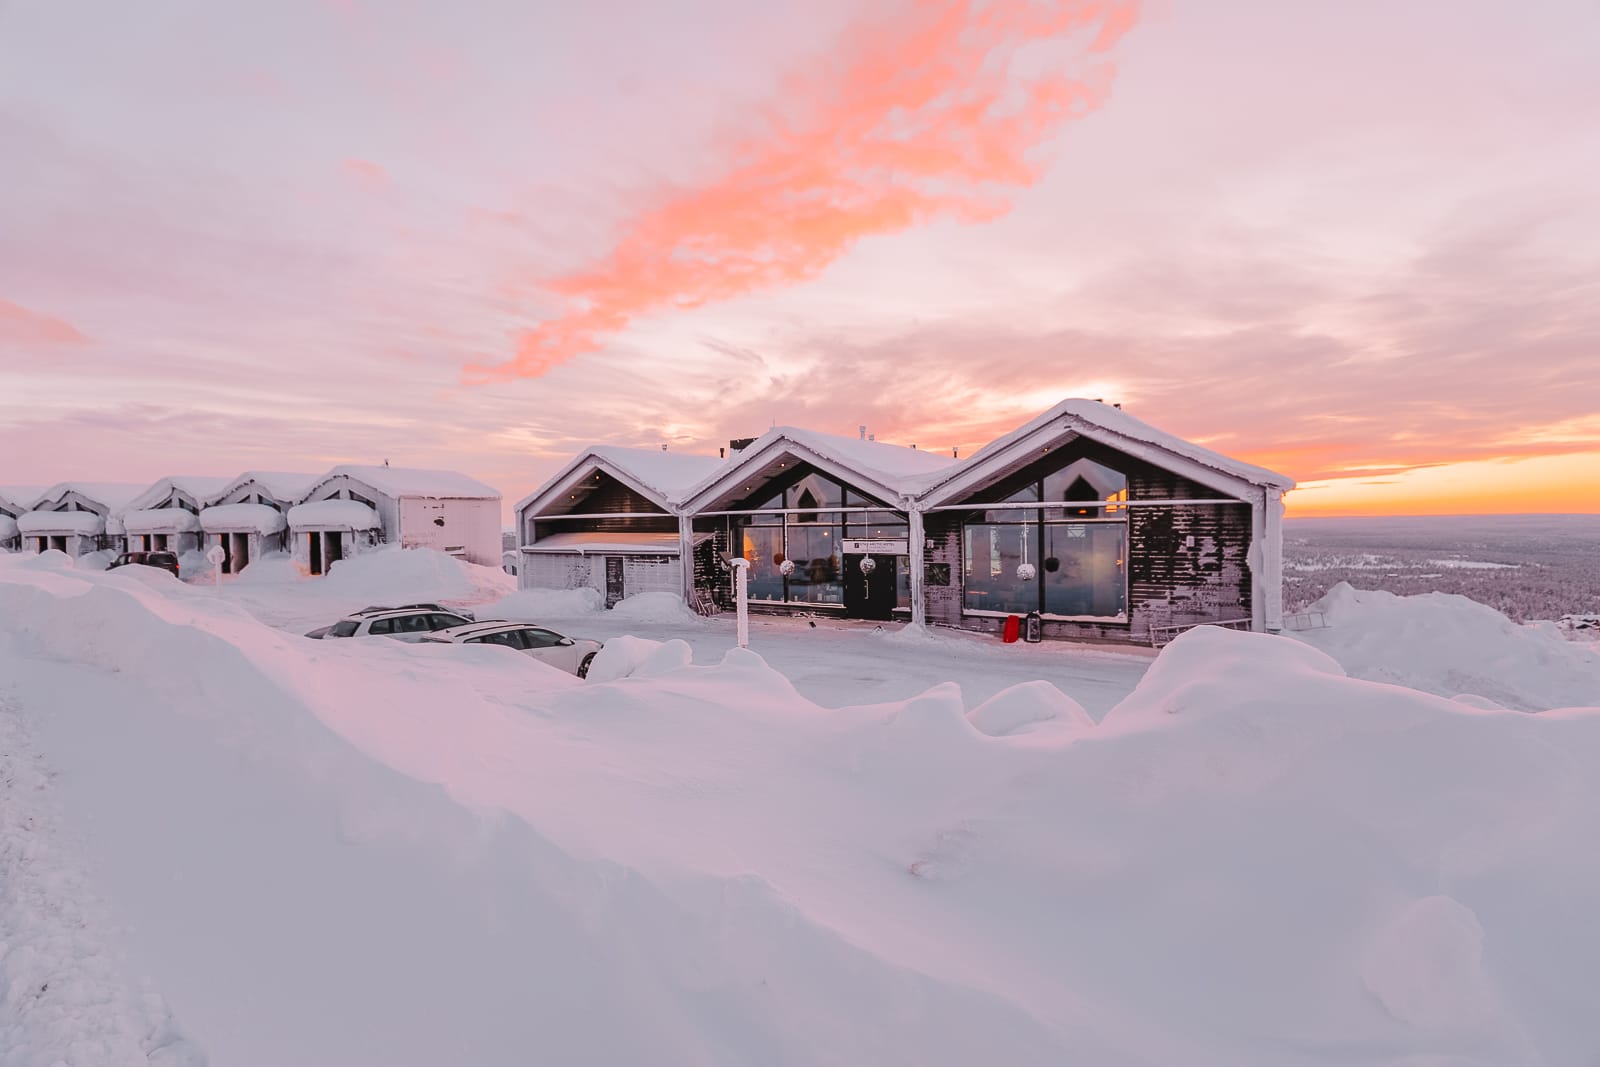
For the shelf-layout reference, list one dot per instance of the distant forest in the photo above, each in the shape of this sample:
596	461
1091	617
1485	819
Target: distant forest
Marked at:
1527	566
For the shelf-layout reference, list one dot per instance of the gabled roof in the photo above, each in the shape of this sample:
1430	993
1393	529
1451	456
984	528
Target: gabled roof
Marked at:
402	482
114	496
889	471
1110	426
18	498
282	486
197	486
654	474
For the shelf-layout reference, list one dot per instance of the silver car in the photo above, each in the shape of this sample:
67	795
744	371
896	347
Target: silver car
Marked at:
547	646
412	622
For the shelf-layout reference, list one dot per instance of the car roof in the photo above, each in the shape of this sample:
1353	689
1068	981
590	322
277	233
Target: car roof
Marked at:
412	609
485	626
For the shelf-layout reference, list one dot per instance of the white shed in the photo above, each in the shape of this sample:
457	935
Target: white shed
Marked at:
414	508
76	517
14	501
249	517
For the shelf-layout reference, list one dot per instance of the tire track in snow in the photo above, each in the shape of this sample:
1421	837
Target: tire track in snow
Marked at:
63	999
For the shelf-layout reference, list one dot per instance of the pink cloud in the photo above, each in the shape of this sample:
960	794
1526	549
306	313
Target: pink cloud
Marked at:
926	116
369	174
20	326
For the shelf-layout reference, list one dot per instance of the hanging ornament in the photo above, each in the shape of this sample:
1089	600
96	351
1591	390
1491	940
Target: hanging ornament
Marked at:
786	568
1025	572
868	565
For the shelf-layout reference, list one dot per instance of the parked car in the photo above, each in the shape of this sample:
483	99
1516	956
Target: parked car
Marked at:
411	622
167	561
568	653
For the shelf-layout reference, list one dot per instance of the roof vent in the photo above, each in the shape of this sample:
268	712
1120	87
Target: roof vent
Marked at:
739	444
663	446
863	431
955	453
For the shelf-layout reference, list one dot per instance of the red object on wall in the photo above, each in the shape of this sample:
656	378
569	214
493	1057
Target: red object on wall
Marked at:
1012	628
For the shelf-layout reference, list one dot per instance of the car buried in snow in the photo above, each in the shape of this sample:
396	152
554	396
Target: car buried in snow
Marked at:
166	561
571	654
408	622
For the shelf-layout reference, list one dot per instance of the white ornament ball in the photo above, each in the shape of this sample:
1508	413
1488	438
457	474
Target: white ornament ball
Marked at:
869	565
1025	572
786	568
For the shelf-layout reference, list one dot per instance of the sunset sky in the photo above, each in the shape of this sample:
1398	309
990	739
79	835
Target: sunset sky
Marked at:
1358	243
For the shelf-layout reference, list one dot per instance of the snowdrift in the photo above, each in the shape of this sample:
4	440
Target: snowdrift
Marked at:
363	853
1450	645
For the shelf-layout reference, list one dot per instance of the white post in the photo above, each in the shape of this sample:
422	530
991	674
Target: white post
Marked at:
741	567
919	609
686	557
216	554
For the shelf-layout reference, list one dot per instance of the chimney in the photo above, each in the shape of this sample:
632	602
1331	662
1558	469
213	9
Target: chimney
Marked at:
863	431
955	453
722	453
663	446
739	444
913	448
872	437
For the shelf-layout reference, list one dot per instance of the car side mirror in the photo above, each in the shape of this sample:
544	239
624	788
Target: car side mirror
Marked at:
566	640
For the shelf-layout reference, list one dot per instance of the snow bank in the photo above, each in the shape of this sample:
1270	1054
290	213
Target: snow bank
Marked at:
61	522
1030	708
274	568
535	605
439	854
259	518
94	561
626	656
333	514
159	520
425	574
655	607
1450	645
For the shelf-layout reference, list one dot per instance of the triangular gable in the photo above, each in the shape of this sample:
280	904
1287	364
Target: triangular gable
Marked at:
761	461
580	473
1108	426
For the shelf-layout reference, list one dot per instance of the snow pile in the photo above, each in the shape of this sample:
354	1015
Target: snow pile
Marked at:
274	568
259	518
655	607
160	520
1450	645
629	657
333	514
535	605
441	854
98	560
61	522
425	574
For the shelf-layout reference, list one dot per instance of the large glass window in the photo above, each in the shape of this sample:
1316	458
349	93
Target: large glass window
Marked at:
992	554
814	548
1083	569
763	547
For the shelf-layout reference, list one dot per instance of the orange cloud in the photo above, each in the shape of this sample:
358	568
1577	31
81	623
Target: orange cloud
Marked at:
923	117
20	326
366	172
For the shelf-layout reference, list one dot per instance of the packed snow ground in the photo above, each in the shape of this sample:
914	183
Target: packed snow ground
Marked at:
357	852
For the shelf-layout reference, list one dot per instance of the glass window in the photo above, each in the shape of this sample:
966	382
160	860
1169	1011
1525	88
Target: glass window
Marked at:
815	491
533	637
444	622
381	626
814	548
1084	568
991	554
763	547
1086	481
344	628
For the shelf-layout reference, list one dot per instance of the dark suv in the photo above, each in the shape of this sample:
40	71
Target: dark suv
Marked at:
167	561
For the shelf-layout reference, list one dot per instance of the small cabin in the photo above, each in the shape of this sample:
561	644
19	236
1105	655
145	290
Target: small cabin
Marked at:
76	518
166	515
249	515
14	501
353	508
606	522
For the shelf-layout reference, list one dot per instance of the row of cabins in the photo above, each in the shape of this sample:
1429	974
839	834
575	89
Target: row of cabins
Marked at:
1107	527
317	518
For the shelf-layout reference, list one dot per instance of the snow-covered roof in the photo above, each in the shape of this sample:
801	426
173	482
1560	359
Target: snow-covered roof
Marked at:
61	522
195	486
8	527
657	474
113	496
260	518
893	469
1098	421
283	486
333	514
402	482
656	544
16	499
159	520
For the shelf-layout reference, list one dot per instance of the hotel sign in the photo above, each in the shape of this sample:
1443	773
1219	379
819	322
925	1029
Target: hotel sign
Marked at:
862	546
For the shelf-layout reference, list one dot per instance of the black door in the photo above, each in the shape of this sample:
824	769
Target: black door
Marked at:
613	580
333	543
315	540
869	596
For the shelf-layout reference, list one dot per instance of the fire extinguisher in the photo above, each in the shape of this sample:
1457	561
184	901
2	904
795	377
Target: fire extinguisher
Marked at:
1033	628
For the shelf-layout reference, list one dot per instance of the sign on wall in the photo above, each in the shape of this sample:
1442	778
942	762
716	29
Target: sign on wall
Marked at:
867	547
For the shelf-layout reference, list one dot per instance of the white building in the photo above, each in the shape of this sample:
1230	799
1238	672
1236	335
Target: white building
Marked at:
14	501
249	516
606	522
76	517
352	508
166	516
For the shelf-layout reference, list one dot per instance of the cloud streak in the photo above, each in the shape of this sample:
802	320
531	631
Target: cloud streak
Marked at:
928	115
20	326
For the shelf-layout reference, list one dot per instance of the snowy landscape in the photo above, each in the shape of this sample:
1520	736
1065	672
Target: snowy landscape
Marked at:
850	843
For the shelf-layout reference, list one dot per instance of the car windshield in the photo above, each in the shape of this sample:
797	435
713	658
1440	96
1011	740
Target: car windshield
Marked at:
343	628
